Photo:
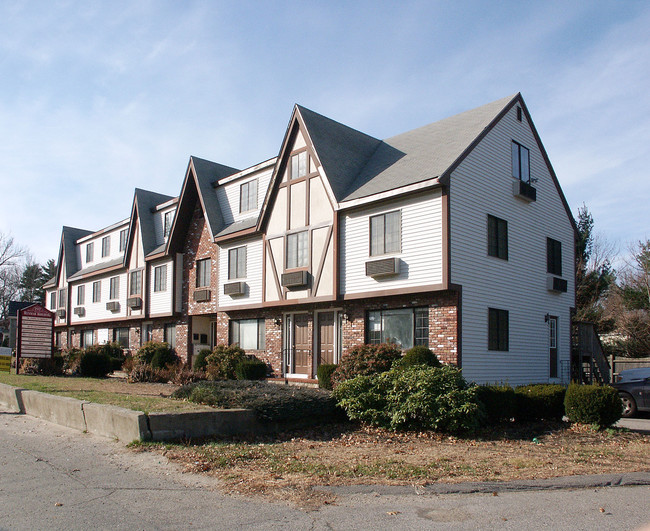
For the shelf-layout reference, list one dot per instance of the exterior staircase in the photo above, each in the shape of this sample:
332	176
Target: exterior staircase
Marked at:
588	361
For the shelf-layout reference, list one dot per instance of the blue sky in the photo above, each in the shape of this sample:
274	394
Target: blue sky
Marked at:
97	98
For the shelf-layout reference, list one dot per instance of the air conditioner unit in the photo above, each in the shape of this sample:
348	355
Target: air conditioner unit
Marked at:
524	190
202	295
234	288
80	311
296	279
60	313
382	268
113	306
134	302
558	285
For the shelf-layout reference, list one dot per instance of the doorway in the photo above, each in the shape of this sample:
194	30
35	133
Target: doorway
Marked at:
552	346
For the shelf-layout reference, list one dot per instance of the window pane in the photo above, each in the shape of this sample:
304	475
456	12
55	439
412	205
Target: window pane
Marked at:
81	295
515	160
292	251
374	328
303	249
261	334
397	327
525	165
502	237
241	262
422	326
302	164
248	334
376	235
393	232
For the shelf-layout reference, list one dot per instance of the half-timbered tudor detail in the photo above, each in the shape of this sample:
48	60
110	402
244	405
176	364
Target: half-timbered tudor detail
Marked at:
455	236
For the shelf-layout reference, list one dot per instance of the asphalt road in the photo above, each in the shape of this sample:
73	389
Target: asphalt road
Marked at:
56	478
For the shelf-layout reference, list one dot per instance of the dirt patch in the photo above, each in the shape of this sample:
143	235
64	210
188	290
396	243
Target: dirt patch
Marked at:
289	466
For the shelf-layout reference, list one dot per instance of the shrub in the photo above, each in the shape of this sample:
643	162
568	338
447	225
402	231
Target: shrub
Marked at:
114	351
94	363
419	355
71	360
251	369
324	374
593	404
144	372
539	401
158	355
415	398
499	402
223	361
364	360
44	366
199	363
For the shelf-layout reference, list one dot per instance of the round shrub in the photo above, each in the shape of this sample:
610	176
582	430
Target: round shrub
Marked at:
95	364
156	354
593	404
254	369
324	374
364	360
223	361
539	401
199	363
499	402
419	355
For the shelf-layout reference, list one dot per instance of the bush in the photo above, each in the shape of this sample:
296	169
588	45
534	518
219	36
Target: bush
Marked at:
251	369
94	363
199	363
593	404
113	350
412	398
144	372
71	360
223	361
324	374
365	360
419	355
157	355
539	401
43	366
499	402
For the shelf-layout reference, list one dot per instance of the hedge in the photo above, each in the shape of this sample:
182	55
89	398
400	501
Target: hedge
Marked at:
593	404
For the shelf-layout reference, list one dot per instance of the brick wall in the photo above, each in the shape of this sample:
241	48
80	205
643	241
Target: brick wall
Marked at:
199	245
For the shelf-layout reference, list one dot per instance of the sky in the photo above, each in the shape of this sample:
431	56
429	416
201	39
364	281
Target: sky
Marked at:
98	98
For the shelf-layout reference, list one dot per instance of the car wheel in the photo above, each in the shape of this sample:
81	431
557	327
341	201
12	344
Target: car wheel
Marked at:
629	405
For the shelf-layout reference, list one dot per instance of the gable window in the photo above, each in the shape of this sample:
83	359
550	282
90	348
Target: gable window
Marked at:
63	295
248	333
203	273
106	246
248	196
554	257
404	327
299	165
87	338
160	278
123	236
167	225
89	252
121	336
135	284
497	237
498	329
520	162
385	233
237	263
114	288
97	291
81	295
53	300
297	250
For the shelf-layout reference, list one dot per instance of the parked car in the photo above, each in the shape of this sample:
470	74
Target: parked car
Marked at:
633	387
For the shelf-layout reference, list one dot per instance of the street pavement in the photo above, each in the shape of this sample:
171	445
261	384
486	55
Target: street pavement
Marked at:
57	478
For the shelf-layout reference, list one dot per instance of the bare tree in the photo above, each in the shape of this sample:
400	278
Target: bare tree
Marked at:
10	251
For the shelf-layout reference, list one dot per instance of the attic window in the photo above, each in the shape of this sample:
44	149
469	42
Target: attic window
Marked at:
519	114
168	223
299	165
248	196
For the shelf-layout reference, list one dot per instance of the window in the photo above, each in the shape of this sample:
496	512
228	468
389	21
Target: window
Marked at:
203	273
87	338
97	291
63	295
135	284
385	233
519	114
403	327
81	295
554	257
248	196
170	335
497	237
123	236
248	334
114	291
160	278
520	162
121	336
299	165
89	252
297	250
147	333
167	227
53	300
498	324
237	263
106	246
57	339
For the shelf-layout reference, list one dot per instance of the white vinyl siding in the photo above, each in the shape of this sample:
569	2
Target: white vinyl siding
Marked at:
96	310
161	301
421	245
482	185
253	278
228	196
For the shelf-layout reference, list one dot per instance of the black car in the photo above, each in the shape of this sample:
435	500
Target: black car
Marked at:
634	389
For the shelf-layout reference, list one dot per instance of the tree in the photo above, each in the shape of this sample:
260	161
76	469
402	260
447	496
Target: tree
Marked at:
31	283
49	269
10	253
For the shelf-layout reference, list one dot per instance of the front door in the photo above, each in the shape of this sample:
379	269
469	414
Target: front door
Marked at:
552	346
325	338
301	344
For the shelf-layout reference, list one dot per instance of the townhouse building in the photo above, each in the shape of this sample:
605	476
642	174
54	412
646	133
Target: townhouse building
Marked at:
455	235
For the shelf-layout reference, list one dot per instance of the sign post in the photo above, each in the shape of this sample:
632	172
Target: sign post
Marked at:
34	339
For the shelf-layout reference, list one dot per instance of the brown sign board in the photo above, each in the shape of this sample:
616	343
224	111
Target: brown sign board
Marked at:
35	325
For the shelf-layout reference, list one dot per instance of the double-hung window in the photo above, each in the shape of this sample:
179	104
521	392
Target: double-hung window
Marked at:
404	327
90	248
203	273
167	226
498	329
248	334
63	295
53	300
121	336
237	263
386	233
87	338
97	291
123	236
297	250
170	335
135	284
554	257
497	237
160	278
106	246
114	291
81	295
248	196
520	162
299	165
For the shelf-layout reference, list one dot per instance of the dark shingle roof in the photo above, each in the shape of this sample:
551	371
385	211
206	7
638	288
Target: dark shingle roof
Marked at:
96	267
69	239
237	226
146	201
